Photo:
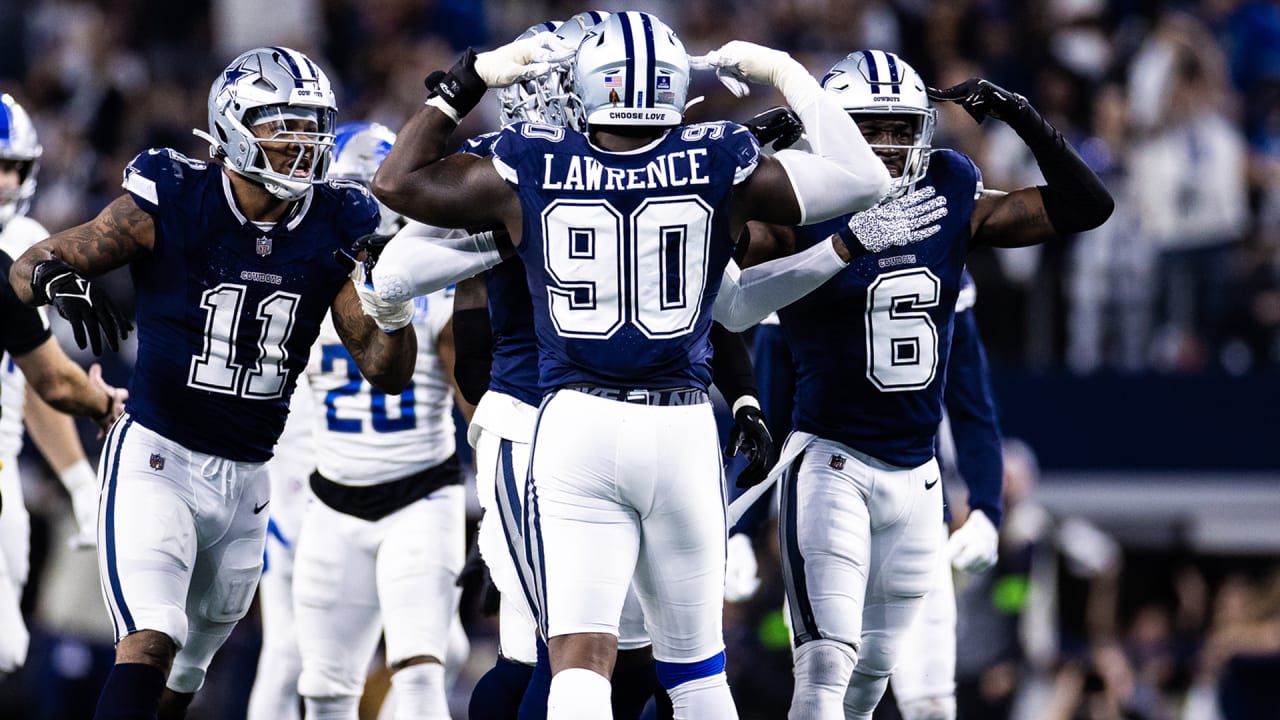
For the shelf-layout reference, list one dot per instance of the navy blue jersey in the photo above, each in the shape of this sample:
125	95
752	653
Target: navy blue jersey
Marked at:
228	310
871	344
515	345
624	251
971	409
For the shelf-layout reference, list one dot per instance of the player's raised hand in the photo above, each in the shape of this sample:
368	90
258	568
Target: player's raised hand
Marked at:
779	125
901	221
523	59
91	313
981	98
974	545
738	62
750	436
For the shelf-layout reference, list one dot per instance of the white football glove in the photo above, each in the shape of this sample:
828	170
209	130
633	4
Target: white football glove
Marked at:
523	59
902	221
82	485
974	546
741	576
738	62
390	316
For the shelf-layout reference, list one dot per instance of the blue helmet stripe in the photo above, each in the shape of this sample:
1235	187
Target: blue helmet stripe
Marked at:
894	77
6	123
629	73
288	57
873	72
651	67
596	16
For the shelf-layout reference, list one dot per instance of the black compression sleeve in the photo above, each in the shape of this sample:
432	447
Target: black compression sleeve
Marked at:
473	350
1074	197
731	364
21	327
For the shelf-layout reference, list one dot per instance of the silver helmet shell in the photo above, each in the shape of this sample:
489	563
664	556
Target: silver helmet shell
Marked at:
875	82
272	85
358	150
18	143
632	70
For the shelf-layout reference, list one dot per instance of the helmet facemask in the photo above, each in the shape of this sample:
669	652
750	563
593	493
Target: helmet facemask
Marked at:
303	135
915	152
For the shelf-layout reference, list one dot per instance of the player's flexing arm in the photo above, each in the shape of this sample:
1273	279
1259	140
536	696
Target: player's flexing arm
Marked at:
1072	199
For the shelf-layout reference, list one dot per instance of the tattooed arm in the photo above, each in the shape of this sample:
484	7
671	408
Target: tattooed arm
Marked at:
386	359
1010	219
121	232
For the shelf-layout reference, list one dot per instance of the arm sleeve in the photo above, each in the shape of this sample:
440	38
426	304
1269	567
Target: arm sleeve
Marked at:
473	351
971	408
849	177
748	296
422	259
731	364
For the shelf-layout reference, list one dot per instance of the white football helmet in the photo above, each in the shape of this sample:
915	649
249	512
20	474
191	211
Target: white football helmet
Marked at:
875	82
632	69
358	150
18	142
271	86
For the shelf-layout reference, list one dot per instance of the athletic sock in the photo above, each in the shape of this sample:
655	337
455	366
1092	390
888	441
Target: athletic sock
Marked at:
498	693
132	692
579	694
420	692
534	704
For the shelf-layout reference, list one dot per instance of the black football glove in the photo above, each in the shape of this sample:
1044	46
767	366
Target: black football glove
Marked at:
981	98
751	437
780	126
461	87
91	313
366	249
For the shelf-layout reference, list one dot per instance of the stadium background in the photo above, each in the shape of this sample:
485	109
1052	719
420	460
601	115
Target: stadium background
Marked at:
1138	363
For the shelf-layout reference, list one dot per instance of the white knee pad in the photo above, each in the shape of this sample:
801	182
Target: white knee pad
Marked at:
579	694
935	708
341	707
822	669
420	692
233	588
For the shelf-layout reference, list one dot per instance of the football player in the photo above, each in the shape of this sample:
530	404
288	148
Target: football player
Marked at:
53	375
383	539
235	270
625	231
860	519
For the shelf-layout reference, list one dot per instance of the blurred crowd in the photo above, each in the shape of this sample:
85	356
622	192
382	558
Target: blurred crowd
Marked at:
1175	104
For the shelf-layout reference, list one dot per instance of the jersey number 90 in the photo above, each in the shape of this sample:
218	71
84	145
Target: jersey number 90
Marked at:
606	269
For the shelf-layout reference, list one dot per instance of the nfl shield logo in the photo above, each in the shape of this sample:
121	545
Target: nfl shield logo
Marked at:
837	462
264	246
157	461
663	82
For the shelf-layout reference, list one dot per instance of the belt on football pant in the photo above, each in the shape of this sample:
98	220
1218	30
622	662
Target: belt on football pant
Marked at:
643	396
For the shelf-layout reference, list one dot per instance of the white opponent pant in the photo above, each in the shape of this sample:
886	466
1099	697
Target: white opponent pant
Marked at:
620	491
502	463
354	578
860	542
15	545
179	543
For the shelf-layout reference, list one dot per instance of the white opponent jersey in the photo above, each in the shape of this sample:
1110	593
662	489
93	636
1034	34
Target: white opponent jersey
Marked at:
17	235
365	437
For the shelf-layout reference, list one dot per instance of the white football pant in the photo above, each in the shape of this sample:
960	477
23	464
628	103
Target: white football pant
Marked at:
179	543
924	680
860	542
353	579
502	465
15	539
620	491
